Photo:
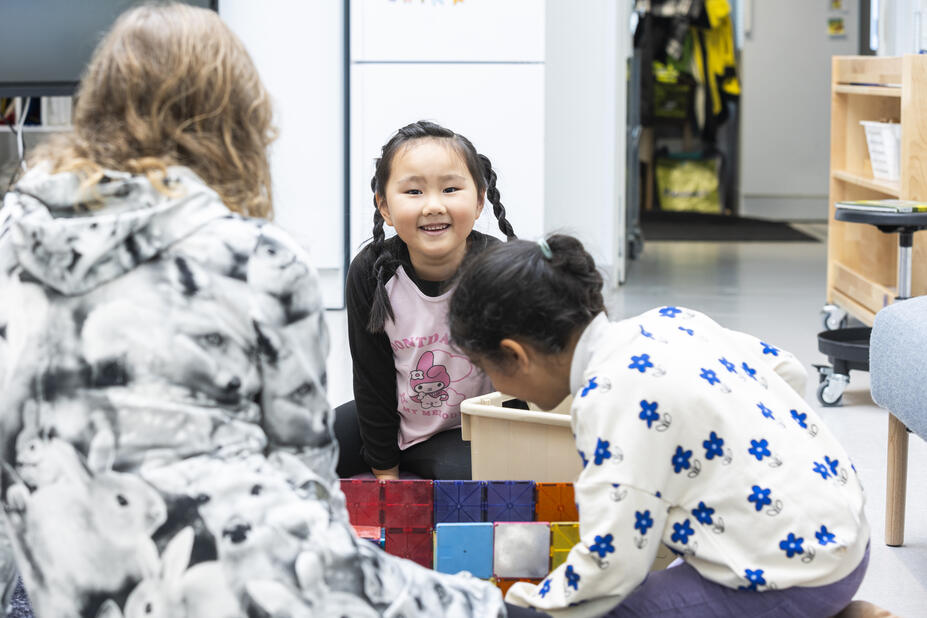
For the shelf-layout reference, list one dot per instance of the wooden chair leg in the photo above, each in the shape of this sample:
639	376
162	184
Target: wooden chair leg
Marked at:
896	481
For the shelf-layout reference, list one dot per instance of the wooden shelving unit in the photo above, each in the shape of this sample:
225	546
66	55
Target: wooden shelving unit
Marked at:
862	262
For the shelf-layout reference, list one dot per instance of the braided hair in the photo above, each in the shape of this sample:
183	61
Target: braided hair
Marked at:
480	168
521	289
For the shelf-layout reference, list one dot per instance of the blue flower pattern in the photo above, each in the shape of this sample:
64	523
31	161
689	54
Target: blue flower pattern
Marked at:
766	412
572	577
821	469
582	456
791	545
728	365
601	452
545	588
703	513
643	521
682	532
592	385
603	545
799	418
760	497
641	362
755	577
709	376
824	536
759	449
649	412
681	460
714	446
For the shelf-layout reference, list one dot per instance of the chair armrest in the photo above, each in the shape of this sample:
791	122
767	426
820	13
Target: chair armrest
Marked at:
898	362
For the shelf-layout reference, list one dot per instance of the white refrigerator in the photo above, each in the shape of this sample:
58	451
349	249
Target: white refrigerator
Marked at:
473	66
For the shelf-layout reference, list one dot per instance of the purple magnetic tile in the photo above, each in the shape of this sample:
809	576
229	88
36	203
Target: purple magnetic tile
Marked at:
510	500
459	501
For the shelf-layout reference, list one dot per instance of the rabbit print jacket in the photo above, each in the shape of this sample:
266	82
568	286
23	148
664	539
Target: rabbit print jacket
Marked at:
166	442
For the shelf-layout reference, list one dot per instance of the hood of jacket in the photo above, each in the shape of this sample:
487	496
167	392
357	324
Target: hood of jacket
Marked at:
74	238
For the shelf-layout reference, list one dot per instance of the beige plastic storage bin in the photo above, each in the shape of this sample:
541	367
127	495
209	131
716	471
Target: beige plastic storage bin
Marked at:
512	444
507	444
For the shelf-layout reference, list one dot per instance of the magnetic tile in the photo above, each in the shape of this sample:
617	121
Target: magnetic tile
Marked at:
521	549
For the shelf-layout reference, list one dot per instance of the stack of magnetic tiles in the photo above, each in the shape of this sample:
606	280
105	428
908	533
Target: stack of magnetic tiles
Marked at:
506	531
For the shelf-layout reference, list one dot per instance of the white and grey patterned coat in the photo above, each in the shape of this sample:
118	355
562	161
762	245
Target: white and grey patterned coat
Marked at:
166	441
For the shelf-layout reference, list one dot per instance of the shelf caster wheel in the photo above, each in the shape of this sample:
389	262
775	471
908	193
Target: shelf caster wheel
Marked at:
833	317
830	390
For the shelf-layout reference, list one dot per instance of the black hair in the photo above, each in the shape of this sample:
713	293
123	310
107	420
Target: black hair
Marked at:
480	168
514	290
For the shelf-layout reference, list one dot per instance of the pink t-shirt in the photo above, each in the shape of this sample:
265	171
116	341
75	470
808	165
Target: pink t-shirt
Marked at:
432	378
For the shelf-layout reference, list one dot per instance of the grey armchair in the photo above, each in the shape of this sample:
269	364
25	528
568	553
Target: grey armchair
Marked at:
898	372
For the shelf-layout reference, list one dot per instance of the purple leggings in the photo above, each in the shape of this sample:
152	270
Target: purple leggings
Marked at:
681	591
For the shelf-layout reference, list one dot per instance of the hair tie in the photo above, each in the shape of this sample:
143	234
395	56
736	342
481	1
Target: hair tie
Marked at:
545	249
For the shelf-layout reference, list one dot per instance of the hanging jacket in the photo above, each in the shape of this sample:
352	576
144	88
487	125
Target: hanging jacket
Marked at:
167	446
715	64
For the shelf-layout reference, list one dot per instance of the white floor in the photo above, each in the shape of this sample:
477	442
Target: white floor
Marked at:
774	291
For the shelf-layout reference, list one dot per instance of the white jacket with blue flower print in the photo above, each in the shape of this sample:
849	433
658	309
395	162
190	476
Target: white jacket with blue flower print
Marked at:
698	437
165	438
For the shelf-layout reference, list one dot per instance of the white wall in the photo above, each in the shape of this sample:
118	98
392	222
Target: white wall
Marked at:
785	105
298	48
586	100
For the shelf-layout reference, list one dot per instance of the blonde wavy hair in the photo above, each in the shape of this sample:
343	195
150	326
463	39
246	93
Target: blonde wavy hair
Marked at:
171	85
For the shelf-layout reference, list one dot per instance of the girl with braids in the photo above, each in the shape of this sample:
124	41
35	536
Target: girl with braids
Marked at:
429	185
690	434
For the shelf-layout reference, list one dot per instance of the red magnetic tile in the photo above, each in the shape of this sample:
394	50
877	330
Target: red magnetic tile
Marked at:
362	499
415	544
408	504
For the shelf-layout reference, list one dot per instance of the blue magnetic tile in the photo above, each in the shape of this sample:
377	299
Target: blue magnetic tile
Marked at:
459	501
464	547
510	500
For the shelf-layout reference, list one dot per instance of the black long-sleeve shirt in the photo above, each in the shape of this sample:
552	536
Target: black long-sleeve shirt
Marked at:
372	357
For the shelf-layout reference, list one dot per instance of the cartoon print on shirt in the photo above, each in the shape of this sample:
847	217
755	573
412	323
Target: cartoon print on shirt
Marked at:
429	382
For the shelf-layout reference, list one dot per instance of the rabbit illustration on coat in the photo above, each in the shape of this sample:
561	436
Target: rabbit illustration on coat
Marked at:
94	512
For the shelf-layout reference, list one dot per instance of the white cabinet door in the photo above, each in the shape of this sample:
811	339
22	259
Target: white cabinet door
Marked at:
447	30
499	107
298	49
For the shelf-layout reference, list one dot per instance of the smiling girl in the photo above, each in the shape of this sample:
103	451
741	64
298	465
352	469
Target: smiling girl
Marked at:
430	185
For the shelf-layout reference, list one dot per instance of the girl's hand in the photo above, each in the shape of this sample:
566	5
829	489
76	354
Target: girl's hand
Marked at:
391	474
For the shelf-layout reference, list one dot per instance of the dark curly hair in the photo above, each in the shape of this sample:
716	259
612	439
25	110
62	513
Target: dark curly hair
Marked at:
513	290
484	177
